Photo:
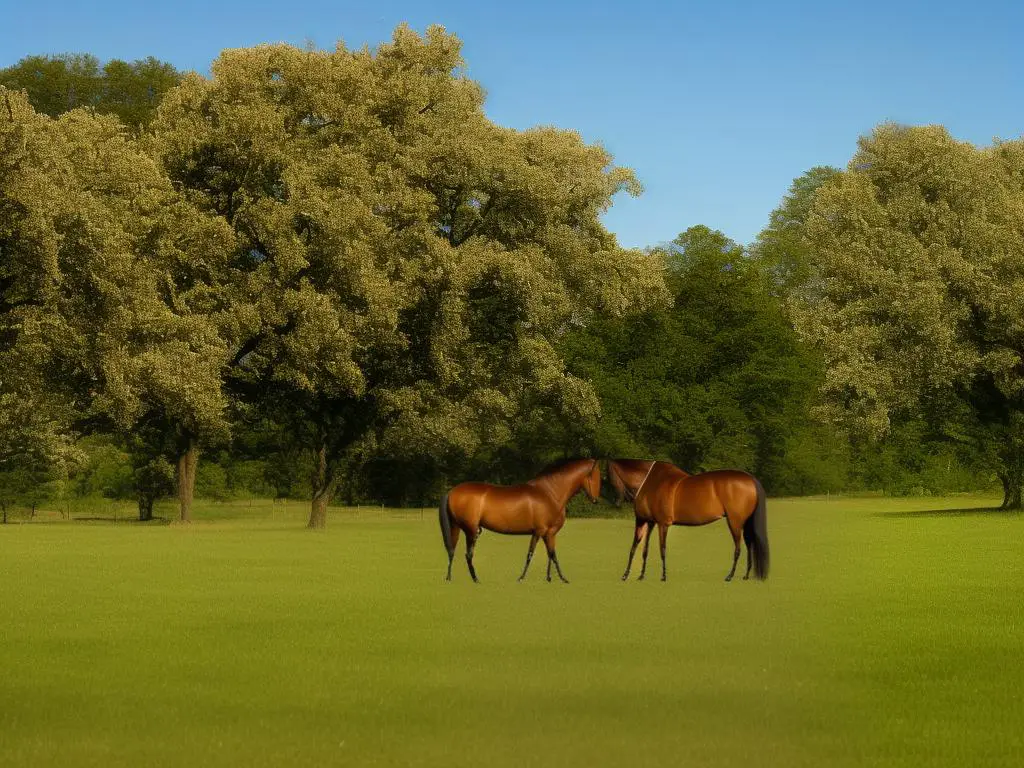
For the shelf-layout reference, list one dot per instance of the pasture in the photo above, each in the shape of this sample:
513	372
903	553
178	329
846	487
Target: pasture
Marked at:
889	633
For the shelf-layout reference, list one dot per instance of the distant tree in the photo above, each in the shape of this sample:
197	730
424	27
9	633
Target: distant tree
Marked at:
918	252
717	379
58	84
782	246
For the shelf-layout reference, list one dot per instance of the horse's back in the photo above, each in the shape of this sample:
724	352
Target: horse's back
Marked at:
499	508
700	499
712	495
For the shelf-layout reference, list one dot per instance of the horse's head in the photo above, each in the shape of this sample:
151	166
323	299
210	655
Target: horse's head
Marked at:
616	480
592	483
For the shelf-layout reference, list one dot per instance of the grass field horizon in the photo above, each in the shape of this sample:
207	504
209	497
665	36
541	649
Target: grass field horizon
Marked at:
889	633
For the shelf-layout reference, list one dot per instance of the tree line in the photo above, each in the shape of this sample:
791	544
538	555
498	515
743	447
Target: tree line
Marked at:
327	273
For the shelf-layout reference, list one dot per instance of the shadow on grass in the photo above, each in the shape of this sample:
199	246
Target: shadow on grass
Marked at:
965	512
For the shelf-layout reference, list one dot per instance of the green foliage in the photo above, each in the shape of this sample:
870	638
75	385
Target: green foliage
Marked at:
59	84
247	478
105	471
815	458
717	379
337	260
403	267
782	246
153	477
915	301
212	481
97	302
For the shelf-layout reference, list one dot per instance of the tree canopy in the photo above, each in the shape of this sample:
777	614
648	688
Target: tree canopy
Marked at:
716	379
92	235
916	301
403	267
57	84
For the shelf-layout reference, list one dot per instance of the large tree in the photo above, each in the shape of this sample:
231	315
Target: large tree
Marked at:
58	84
915	303
404	266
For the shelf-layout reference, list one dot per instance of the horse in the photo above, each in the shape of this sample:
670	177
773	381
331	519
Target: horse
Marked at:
536	507
664	495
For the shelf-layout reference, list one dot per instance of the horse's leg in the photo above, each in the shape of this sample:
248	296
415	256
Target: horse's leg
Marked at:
549	542
736	547
529	555
637	535
470	546
748	539
647	546
662	537
451	555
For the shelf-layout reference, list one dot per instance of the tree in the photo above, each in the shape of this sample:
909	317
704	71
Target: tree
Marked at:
58	84
94	241
915	303
403	266
35	449
716	379
781	246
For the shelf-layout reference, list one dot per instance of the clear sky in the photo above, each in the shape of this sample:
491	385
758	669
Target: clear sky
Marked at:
716	105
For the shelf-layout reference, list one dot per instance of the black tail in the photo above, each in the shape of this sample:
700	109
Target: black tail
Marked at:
446	526
755	533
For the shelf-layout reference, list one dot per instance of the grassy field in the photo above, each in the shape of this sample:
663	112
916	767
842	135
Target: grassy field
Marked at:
890	633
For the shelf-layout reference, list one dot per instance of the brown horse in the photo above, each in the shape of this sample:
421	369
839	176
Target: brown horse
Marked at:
536	508
665	495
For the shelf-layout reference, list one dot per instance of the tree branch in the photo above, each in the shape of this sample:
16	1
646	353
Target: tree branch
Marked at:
472	228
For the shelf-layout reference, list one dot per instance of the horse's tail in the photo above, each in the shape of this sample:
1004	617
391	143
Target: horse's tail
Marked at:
446	526
755	532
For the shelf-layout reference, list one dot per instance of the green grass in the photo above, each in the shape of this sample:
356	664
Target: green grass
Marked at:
890	633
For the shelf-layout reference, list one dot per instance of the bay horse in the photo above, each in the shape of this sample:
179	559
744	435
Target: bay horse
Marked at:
664	495
535	508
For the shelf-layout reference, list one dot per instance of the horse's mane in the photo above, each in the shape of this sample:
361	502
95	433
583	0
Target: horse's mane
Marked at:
557	465
655	461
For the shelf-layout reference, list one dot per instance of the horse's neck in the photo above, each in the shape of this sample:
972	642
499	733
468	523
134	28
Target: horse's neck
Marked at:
561	487
637	475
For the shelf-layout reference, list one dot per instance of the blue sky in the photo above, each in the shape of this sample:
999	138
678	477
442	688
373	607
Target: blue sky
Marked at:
716	105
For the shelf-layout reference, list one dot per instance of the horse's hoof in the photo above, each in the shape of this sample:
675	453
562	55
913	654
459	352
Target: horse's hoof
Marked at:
728	578
746	578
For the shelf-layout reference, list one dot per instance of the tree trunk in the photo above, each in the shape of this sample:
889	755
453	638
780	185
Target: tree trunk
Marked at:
323	488
5	513
318	513
1012	486
145	508
187	478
